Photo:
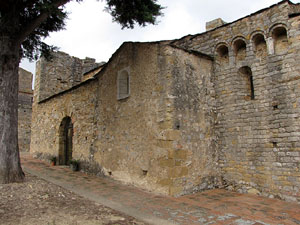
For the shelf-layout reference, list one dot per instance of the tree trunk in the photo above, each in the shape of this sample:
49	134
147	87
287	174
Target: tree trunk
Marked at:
10	167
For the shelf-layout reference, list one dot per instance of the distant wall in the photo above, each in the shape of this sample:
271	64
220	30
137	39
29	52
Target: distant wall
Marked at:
24	109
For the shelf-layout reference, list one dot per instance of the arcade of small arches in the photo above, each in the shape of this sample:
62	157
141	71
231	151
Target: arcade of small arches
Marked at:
275	43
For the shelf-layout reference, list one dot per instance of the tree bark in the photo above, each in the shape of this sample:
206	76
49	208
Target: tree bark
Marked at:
10	167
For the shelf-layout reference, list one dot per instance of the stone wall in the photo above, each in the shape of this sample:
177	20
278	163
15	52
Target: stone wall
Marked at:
60	73
79	105
24	109
145	139
127	145
257	124
137	139
192	109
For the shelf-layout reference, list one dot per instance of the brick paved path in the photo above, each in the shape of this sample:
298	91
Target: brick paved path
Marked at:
209	207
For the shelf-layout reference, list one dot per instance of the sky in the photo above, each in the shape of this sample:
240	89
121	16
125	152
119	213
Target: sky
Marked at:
90	31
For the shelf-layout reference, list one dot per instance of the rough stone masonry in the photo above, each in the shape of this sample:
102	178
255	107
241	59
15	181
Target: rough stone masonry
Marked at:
219	109
24	109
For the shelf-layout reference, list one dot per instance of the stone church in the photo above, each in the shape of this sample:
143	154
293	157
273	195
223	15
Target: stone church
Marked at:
219	109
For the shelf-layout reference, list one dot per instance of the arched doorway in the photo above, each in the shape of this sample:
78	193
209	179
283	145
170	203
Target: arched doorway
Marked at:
65	141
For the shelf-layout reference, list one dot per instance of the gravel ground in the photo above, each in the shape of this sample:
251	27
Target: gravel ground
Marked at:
38	202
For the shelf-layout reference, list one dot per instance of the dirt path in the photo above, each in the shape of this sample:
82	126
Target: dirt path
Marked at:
38	202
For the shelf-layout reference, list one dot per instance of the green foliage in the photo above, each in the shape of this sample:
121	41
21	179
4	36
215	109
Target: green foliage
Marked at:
28	22
21	17
129	12
53	159
33	45
74	162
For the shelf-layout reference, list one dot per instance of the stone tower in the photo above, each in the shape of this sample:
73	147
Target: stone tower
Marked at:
59	74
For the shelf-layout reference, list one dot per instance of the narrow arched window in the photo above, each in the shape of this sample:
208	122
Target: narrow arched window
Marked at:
247	86
240	49
260	45
280	38
222	54
123	84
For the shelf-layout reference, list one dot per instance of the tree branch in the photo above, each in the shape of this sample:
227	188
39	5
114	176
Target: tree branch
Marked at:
36	22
